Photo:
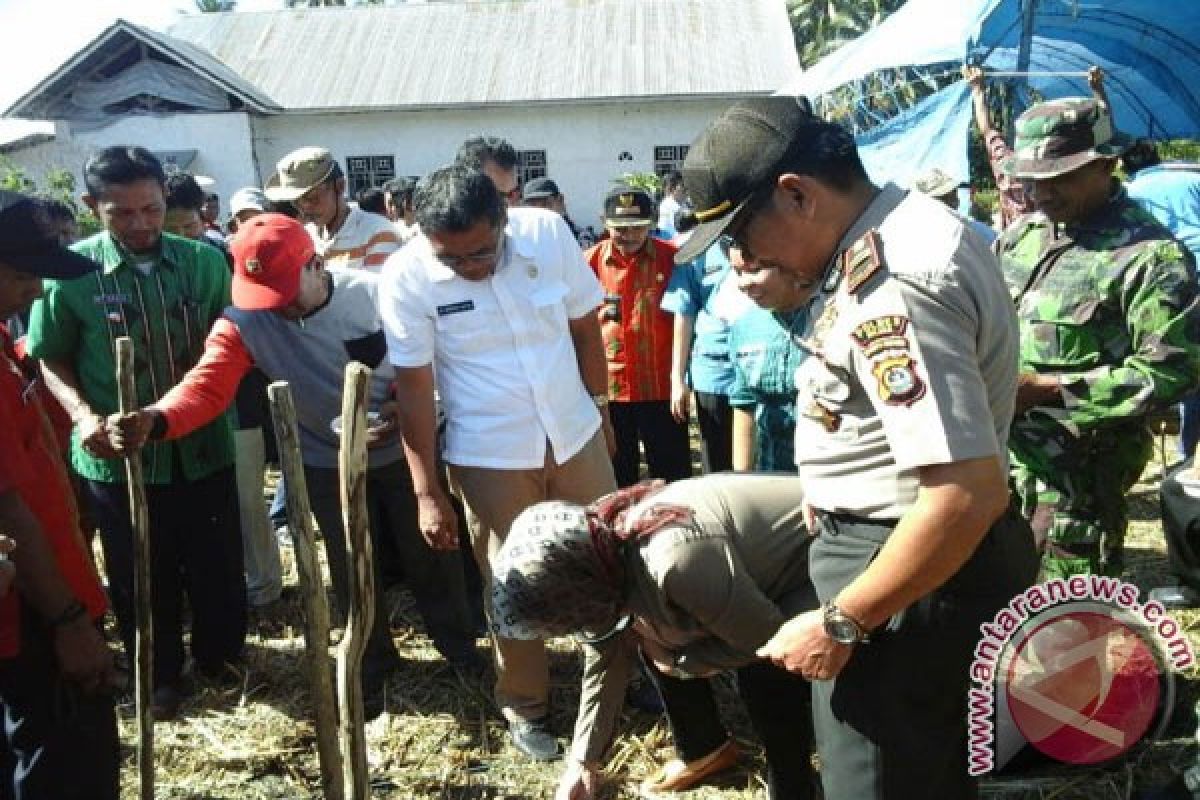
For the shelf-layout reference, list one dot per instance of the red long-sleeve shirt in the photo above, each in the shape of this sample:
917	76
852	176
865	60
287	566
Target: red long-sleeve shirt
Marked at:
209	387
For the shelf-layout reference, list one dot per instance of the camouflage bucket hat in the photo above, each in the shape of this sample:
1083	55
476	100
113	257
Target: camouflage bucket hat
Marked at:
547	579
1056	137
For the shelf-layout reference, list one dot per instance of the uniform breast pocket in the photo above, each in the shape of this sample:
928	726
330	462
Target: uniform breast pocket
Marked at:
823	396
1070	331
549	305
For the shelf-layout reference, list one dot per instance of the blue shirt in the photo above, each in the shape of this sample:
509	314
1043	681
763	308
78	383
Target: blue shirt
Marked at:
1171	192
765	357
690	292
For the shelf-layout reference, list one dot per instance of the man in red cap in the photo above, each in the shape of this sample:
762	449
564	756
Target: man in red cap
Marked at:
57	712
301	323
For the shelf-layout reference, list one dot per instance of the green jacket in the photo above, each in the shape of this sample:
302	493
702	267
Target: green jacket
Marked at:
1109	306
167	313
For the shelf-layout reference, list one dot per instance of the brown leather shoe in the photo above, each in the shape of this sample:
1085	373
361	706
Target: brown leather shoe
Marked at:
677	775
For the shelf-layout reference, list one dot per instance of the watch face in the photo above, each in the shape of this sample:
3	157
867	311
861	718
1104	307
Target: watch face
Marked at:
841	630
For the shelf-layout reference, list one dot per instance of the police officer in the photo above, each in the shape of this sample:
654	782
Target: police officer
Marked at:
902	416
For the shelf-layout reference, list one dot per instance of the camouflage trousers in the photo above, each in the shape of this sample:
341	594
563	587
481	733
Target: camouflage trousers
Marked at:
1079	516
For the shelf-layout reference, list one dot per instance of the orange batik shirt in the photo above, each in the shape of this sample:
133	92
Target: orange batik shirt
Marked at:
637	332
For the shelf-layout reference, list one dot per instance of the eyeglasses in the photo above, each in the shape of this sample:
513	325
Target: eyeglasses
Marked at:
729	243
478	258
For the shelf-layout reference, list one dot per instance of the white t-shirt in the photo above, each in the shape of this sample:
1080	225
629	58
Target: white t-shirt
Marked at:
502	353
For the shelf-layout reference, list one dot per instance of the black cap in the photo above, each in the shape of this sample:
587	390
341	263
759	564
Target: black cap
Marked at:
27	243
626	206
738	154
539	188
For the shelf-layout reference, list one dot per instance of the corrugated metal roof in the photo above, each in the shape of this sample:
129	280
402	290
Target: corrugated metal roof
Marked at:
43	99
486	53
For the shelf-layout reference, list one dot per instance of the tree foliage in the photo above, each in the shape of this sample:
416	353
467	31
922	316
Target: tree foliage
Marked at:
59	185
822	26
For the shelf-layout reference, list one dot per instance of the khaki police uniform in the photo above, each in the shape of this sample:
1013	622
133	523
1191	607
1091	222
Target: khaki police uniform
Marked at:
913	362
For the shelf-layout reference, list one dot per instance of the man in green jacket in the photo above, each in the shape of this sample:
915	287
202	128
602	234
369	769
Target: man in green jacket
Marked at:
164	292
1106	301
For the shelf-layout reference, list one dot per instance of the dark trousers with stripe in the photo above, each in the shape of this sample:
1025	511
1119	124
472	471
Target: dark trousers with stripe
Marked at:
715	417
195	547
61	741
665	442
893	724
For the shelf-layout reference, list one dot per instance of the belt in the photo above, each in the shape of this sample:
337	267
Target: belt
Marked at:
837	523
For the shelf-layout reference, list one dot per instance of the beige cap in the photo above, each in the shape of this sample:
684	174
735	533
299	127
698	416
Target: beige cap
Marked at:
299	171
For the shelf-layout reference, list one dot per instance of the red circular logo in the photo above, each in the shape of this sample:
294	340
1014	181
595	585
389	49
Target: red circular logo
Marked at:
1083	686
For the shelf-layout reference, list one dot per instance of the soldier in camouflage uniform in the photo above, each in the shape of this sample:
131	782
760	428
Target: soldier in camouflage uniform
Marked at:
1106	303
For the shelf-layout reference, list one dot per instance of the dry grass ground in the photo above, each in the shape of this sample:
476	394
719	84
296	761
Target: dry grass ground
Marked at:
441	737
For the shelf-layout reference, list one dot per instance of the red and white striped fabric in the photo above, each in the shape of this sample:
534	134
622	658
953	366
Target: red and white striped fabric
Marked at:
364	241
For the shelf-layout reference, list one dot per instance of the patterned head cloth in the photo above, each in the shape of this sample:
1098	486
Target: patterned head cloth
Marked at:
1059	136
548	579
560	572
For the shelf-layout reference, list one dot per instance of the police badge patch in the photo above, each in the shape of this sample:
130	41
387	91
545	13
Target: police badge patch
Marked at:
880	334
899	383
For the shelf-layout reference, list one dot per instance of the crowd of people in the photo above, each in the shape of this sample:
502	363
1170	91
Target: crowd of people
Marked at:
902	424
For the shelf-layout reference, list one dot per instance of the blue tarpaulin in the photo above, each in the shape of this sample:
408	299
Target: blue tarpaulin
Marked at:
912	143
1147	48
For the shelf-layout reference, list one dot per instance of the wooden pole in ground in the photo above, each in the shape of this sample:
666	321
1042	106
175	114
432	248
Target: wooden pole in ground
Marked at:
352	467
140	524
312	588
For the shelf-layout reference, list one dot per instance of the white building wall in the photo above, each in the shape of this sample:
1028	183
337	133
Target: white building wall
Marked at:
584	144
222	143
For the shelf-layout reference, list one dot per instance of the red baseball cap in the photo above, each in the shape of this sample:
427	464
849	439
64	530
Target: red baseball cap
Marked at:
269	253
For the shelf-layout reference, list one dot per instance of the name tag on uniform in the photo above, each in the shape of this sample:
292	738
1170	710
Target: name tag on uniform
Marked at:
456	308
115	299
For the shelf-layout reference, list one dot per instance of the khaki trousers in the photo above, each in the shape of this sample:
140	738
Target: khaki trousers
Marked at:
493	498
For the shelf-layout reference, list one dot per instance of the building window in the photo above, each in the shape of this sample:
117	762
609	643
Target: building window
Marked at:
530	164
669	157
363	172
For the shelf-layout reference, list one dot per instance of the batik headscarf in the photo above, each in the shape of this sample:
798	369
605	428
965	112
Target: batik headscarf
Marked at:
561	569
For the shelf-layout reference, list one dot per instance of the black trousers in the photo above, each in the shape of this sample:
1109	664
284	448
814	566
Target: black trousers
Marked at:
665	441
195	547
893	724
715	416
61	741
780	708
435	577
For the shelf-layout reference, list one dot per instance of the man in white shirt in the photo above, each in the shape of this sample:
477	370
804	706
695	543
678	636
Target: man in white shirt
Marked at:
498	307
397	202
674	200
344	236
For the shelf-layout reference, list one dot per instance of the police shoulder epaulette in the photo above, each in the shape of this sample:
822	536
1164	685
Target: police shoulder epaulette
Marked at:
862	260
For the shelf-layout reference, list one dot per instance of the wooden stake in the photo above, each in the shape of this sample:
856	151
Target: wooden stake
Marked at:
352	464
140	524
312	588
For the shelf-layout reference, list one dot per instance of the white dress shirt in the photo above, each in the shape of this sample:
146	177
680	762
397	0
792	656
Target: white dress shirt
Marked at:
503	356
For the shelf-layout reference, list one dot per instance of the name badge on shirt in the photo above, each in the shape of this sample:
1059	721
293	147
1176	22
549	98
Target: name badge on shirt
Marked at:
115	299
455	308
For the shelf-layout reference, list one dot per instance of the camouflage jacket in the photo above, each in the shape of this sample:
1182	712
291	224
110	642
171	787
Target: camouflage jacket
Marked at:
1109	306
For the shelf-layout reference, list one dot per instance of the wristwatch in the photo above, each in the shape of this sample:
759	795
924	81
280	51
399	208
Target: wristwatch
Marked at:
601	400
843	628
